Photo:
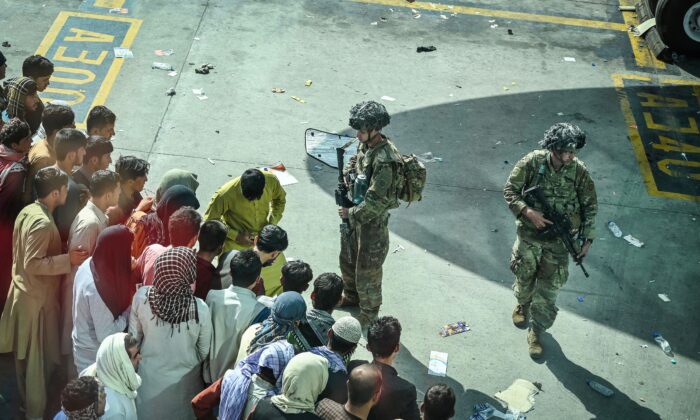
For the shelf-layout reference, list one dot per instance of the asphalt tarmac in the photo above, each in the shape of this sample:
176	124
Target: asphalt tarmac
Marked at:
502	73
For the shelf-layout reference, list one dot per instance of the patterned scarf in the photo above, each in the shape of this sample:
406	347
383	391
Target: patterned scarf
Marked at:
335	362
17	90
320	321
234	387
289	307
87	413
171	297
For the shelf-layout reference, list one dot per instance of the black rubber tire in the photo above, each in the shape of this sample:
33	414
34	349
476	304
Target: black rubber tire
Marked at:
669	22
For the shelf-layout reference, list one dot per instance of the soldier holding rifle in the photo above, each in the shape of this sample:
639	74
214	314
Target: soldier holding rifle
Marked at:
554	200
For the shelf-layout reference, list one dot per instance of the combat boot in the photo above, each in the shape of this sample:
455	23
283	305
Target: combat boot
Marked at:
534	344
367	317
346	302
520	314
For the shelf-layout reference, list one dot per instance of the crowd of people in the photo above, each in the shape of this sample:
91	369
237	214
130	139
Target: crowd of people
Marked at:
145	308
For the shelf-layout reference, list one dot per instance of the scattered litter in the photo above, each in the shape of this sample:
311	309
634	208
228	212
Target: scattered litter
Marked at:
399	248
616	231
437	366
626	8
278	90
641	398
505	87
570	59
593	65
560	113
172	73
510	32
426	49
684	156
196	38
519	396
454	328
383	19
661	341
416	16
6	44
119	11
374	23
388	98
494	230
484	411
282	174
664	297
600	388
644	346
298	99
200	94
450	7
652	281
505	162
494	25
414	11
492	20
204	69
170	92
580	298
308	83
162	66
164	53
211	161
120	52
674	361
428	157
634	241
443	17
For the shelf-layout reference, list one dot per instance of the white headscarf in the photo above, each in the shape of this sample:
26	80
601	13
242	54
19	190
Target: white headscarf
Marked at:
113	367
302	382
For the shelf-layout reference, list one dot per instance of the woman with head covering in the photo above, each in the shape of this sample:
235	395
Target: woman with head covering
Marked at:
22	97
116	370
304	378
174	329
287	311
176	177
102	294
152	228
256	377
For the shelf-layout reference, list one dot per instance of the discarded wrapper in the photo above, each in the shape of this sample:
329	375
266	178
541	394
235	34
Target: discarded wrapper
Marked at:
664	297
399	248
170	92
454	328
123	53
162	66
278	90
519	396
634	241
118	11
204	69
437	366
298	99
570	59
430	48
388	98
164	53
308	83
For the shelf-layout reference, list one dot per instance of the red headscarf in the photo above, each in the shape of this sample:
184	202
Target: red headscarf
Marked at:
111	268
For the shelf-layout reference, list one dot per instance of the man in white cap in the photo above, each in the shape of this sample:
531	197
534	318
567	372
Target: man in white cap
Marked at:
342	342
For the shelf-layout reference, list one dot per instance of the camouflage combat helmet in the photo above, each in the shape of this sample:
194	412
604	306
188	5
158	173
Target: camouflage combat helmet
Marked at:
563	136
369	115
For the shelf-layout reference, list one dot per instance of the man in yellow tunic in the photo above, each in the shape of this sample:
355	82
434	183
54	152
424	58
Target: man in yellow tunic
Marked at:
29	323
246	204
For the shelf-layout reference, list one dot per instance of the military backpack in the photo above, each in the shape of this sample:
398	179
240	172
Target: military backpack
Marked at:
414	178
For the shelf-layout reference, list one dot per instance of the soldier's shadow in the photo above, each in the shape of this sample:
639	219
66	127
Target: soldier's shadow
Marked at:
573	377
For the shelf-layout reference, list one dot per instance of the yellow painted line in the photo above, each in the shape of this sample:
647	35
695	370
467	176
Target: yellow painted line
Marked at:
637	146
642	54
111	4
502	14
110	78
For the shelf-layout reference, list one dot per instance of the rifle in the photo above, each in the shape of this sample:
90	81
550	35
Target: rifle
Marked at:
341	196
561	225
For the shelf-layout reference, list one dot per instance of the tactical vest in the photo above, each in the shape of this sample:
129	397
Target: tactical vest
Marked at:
383	153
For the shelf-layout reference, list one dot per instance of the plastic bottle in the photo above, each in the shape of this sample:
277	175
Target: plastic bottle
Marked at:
162	66
663	344
600	388
360	189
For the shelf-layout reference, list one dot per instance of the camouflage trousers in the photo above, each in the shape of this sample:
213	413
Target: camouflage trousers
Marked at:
361	260
541	268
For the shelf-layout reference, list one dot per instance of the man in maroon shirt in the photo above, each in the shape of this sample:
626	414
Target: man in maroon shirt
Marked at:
212	236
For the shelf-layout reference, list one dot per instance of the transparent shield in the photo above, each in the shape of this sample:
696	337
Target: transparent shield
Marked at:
322	146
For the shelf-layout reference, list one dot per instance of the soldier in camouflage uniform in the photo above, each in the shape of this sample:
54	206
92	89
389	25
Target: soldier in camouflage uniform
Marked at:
540	262
364	252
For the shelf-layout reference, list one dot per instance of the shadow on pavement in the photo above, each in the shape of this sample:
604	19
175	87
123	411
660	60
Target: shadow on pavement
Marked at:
464	219
573	377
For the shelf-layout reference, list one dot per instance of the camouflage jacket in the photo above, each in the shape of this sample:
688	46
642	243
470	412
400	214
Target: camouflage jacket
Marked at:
381	165
569	191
